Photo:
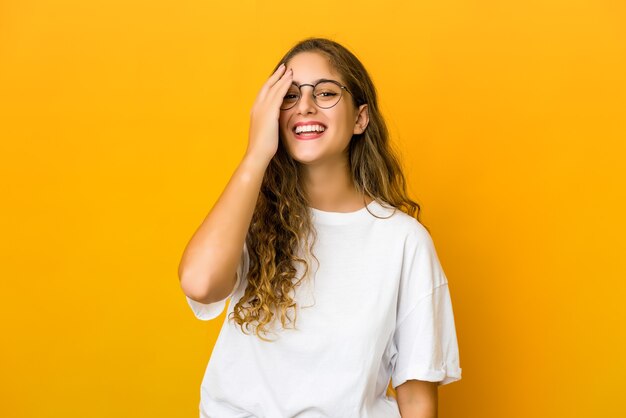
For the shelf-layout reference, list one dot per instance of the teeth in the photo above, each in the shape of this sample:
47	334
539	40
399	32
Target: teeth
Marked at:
309	128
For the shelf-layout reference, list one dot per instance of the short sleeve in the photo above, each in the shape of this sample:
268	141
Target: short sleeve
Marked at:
208	311
425	344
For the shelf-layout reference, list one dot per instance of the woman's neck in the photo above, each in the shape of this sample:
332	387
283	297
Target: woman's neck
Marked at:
330	188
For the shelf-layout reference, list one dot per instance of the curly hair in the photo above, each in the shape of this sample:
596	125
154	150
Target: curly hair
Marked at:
282	224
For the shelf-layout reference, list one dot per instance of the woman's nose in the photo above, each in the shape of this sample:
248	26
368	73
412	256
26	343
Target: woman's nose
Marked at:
306	102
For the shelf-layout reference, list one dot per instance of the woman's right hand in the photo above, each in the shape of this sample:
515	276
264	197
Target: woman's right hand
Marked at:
264	131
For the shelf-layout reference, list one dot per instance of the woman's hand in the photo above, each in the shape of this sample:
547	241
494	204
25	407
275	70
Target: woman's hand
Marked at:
264	133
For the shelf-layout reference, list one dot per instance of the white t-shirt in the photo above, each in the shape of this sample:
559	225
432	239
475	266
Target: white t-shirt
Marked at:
378	307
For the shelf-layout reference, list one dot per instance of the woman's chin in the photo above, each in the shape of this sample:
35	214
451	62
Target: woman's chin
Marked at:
304	159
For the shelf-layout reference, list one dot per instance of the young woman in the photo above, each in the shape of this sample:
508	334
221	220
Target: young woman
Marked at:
335	285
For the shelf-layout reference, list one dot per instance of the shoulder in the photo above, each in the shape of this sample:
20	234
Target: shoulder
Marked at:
405	226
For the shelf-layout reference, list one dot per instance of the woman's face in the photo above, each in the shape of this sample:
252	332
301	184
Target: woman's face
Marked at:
340	121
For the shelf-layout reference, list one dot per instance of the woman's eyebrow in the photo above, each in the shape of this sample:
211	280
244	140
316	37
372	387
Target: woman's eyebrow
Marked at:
313	82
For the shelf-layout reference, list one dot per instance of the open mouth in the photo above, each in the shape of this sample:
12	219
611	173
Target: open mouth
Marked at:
309	131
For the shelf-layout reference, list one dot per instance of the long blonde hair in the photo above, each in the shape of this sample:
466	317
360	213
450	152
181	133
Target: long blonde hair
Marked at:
281	223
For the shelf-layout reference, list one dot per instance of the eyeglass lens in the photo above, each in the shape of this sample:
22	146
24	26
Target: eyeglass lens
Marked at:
326	94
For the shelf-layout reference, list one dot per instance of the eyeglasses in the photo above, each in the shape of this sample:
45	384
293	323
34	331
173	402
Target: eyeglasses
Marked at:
326	94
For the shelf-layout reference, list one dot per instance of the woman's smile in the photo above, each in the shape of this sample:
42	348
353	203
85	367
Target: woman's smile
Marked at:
307	130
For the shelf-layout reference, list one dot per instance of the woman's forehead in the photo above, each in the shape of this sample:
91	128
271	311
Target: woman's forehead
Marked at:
310	67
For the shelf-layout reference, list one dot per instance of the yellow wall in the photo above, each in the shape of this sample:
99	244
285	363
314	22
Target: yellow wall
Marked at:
120	122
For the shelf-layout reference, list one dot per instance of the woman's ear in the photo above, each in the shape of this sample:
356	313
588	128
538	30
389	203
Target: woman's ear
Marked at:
362	120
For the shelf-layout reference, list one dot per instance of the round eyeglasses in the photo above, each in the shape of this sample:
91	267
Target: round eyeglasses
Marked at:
326	94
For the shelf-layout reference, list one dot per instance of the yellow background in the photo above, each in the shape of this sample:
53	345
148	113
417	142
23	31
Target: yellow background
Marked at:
121	122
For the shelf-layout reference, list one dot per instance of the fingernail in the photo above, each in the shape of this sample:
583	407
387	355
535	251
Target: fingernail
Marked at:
282	64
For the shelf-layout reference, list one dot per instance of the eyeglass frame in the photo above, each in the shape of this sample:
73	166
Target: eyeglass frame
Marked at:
323	80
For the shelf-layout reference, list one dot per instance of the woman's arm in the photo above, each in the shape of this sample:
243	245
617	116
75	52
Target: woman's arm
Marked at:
208	265
207	270
417	399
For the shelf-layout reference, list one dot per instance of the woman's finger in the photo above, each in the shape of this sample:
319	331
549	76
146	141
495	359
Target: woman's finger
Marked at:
282	85
274	77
